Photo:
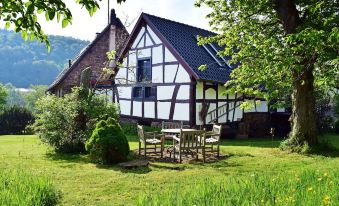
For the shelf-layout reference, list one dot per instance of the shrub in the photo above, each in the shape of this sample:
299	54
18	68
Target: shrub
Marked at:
19	188
67	123
14	120
108	143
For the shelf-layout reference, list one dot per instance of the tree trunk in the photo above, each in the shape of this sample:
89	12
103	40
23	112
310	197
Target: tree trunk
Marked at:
303	109
303	102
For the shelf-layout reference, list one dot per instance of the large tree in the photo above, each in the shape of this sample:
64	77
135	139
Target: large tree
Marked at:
23	15
281	46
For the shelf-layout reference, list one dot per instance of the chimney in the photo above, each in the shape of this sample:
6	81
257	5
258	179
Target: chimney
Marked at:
69	63
113	17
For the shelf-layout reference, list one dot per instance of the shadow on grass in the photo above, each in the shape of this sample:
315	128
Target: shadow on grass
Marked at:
251	142
137	170
68	158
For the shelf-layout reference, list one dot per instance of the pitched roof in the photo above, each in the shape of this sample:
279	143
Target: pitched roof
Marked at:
182	41
67	69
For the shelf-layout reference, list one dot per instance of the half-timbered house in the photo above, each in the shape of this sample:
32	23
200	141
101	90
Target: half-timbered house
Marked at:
159	79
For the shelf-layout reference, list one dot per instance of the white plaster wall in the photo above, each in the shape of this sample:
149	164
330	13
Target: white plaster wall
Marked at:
124	63
143	53
125	92
131	75
149	108
148	41
238	114
230	113
164	92
157	55
170	71
109	96
154	36
199	90
198	107
222	119
252	109
169	56
184	92
231	96
181	112
221	92
157	74
262	106
182	75
132	59
280	109
136	41
125	107
121	76
164	110
213	106
210	94
137	109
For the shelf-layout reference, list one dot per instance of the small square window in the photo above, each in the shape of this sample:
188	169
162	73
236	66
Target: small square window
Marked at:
144	71
137	92
150	92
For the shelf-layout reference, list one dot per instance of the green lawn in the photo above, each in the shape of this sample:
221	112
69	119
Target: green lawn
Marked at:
84	183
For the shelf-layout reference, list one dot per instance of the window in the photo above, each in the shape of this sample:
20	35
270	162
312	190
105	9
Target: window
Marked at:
150	92
144	72
144	92
137	92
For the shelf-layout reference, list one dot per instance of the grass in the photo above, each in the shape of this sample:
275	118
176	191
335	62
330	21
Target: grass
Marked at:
300	188
20	188
84	183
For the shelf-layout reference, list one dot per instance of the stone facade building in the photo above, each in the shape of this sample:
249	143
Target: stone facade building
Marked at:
94	56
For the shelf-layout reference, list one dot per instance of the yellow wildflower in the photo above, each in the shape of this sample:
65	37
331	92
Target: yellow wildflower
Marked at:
326	200
319	179
310	189
325	174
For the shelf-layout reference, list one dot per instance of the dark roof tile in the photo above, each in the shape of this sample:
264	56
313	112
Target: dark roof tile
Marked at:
183	38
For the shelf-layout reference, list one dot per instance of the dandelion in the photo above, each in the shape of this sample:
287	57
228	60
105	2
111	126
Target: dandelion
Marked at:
310	189
325	174
327	200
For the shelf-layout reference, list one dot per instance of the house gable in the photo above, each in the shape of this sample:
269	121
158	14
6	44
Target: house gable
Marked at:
168	79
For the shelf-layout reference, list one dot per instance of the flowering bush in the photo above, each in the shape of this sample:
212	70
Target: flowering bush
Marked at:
66	123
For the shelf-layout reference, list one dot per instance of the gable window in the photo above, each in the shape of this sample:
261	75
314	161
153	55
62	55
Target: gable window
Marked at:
144	72
137	92
150	92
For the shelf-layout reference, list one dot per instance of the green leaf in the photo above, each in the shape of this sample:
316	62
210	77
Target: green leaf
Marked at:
58	17
51	14
31	36
24	35
64	23
7	25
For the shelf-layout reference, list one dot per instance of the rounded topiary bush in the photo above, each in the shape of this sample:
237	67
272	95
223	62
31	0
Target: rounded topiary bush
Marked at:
108	143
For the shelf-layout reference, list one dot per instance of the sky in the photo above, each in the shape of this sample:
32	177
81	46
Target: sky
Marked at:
84	27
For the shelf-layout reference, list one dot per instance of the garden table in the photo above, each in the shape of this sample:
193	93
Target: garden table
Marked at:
175	137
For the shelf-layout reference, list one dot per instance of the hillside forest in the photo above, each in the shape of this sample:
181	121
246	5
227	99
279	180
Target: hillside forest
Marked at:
28	63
